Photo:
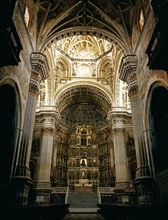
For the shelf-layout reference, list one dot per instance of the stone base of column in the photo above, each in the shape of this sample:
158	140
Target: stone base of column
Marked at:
145	189
19	190
42	195
142	171
124	186
125	192
42	192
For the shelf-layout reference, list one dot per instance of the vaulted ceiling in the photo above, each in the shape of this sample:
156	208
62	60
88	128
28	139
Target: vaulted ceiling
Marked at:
105	17
87	36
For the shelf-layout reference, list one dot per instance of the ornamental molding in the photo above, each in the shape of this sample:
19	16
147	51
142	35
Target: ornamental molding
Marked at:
117	113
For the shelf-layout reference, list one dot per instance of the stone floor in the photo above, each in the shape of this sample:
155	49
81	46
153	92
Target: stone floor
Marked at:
83	216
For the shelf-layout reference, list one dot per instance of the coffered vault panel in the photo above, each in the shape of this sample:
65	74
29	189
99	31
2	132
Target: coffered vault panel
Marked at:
84	105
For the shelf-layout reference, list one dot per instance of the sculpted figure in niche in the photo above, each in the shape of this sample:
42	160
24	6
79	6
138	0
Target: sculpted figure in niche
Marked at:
78	141
89	140
64	138
94	138
83	162
83	174
72	140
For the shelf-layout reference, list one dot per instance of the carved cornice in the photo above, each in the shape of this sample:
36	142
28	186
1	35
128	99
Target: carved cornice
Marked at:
119	114
127	72
128	68
40	65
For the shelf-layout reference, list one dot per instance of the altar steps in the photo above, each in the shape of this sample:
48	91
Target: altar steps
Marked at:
83	200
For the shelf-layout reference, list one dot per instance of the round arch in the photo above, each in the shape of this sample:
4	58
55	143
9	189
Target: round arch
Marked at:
10	128
85	83
154	111
86	30
10	122
83	104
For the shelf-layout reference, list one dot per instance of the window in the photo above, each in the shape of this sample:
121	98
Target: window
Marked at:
26	16
141	20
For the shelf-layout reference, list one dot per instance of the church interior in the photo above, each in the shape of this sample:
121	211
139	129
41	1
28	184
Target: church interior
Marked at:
84	108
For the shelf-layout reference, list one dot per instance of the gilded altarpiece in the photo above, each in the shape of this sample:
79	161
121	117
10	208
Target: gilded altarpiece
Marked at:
61	167
83	161
104	158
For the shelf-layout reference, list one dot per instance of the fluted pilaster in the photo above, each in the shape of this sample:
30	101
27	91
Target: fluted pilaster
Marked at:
120	159
39	72
43	185
128	73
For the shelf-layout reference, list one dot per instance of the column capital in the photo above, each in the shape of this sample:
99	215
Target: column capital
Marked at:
119	115
118	131
39	65
48	122
118	125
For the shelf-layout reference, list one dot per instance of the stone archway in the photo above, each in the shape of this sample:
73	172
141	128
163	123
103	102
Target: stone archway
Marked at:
159	126
7	129
158	122
8	124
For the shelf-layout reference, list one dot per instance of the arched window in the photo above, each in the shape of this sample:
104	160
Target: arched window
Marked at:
26	16
141	19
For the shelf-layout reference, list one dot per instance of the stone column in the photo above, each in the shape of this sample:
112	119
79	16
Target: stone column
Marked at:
22	178
143	181
43	184
121	164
